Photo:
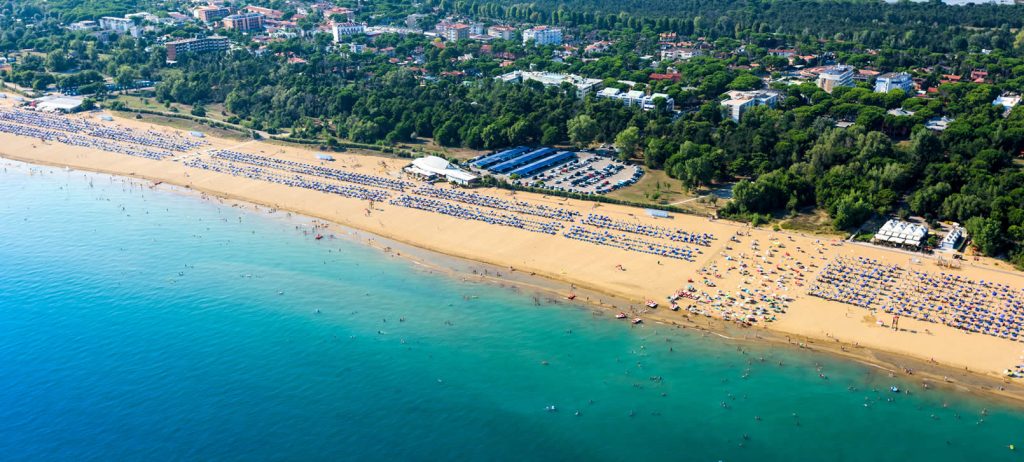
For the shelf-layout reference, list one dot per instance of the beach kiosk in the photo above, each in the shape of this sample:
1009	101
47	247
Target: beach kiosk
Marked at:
433	167
901	234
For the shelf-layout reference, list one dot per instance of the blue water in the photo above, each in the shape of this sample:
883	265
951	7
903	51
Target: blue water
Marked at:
142	324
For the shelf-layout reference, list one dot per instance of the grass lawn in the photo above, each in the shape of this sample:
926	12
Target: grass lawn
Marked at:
428	146
655	187
213	111
812	221
187	125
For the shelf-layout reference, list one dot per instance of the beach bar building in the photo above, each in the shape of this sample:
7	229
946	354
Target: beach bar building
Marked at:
57	103
433	167
901	234
951	241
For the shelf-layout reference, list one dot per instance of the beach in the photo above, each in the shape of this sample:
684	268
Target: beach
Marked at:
627	278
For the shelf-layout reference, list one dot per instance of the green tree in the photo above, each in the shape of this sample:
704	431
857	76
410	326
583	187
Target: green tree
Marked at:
851	212
698	172
582	130
126	76
627	141
986	234
447	134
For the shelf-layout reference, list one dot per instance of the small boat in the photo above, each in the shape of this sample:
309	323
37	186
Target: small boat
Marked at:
620	316
637	320
651	304
551	408
319	236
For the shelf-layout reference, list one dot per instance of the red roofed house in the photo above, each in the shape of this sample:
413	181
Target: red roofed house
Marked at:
673	76
268	12
782	52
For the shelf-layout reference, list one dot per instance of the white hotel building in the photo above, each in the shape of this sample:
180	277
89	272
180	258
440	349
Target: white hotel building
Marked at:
543	35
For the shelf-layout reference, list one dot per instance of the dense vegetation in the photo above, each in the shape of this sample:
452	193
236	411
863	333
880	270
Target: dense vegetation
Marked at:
927	25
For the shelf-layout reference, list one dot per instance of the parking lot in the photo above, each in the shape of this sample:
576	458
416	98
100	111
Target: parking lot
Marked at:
589	174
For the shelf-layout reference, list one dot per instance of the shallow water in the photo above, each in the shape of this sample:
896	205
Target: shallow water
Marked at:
143	324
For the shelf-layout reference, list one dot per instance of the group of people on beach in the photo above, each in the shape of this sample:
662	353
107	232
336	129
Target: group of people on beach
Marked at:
86	133
762	292
976	306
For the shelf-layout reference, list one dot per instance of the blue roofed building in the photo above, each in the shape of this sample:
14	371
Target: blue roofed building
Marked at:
519	161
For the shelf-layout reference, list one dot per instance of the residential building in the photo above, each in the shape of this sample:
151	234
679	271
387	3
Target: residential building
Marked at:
782	52
211	13
938	123
900	112
584	86
680	54
83	26
502	32
739	102
413	20
348	14
174	17
671	75
443	25
456	32
543	35
835	77
266	12
195	45
144	17
893	80
597	47
244	22
636	98
119	25
344	29
865	75
1008	101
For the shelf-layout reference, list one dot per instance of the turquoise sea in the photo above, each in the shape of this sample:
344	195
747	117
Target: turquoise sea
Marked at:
150	325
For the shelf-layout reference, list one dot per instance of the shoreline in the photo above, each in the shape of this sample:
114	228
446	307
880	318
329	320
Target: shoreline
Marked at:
927	374
740	272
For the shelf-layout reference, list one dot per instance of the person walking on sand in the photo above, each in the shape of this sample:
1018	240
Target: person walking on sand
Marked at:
896	322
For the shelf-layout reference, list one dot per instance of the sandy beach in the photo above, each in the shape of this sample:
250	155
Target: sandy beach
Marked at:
743	263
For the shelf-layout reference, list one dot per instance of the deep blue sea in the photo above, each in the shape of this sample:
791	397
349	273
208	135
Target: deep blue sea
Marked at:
150	325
